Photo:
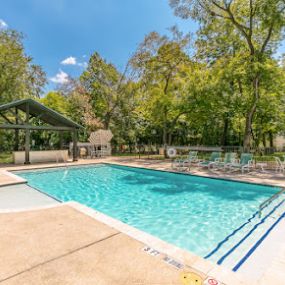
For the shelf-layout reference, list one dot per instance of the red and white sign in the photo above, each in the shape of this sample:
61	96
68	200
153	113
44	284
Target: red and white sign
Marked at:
212	281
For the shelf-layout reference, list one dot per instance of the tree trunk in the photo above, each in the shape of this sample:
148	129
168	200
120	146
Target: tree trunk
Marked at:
248	124
164	138
107	120
264	140
106	124
250	115
224	137
170	138
164	135
271	139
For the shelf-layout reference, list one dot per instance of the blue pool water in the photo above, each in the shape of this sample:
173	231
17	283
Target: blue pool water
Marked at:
192	212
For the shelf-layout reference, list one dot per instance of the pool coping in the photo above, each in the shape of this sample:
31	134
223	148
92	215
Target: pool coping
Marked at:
200	263
15	179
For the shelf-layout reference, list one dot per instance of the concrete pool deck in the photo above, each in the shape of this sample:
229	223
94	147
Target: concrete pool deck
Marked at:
8	178
22	196
64	245
272	272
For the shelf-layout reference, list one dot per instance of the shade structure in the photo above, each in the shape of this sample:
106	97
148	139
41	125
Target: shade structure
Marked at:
101	141
101	137
48	118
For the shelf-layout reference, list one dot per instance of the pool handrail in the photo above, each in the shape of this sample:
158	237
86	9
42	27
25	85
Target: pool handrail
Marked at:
269	200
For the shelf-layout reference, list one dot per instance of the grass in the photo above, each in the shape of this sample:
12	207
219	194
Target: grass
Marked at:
205	156
6	157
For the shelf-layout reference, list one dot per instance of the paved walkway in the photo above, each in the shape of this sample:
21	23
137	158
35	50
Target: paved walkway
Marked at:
60	246
7	178
22	196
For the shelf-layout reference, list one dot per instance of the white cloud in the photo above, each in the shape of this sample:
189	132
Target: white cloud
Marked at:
69	61
61	78
3	24
83	64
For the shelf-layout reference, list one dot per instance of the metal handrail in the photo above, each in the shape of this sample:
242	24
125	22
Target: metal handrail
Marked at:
269	200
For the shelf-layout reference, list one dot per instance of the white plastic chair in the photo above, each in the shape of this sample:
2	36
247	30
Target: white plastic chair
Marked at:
279	164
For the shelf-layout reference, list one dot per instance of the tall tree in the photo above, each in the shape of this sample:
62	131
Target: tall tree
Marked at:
19	77
105	87
260	24
161	65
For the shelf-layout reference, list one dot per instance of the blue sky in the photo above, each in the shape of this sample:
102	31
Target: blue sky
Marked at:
56	30
61	34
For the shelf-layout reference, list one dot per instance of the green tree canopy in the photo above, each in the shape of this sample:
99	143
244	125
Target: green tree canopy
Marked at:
259	24
19	77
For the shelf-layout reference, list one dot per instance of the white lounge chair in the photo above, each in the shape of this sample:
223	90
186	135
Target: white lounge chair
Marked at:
245	163
280	167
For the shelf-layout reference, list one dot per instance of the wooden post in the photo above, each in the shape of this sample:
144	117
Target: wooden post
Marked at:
16	147
75	158
60	140
27	141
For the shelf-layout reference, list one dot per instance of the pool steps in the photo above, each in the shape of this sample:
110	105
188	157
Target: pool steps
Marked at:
235	248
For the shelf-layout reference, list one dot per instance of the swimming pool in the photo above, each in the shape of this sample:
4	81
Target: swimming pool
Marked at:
192	212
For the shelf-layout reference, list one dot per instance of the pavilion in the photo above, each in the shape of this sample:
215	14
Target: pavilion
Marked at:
49	120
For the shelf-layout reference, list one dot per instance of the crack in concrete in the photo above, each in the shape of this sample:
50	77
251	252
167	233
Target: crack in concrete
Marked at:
60	256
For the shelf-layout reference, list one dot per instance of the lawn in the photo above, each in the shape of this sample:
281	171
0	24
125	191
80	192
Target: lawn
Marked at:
6	157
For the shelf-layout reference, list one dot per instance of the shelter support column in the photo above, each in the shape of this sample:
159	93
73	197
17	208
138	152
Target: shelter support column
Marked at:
27	147
27	140
16	147
75	153
60	140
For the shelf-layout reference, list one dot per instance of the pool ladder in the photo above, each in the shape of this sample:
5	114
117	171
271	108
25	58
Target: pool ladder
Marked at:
269	200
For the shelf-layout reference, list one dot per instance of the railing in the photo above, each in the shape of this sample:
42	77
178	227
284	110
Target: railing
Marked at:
269	200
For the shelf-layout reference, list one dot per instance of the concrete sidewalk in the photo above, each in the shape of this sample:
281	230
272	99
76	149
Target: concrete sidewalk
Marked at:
63	246
22	196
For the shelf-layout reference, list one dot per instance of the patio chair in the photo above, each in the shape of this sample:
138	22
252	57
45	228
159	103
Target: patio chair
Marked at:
192	157
185	163
245	163
280	167
230	157
215	157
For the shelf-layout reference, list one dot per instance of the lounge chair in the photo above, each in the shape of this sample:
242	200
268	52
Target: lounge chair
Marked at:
215	157
280	167
180	163
245	163
192	157
230	157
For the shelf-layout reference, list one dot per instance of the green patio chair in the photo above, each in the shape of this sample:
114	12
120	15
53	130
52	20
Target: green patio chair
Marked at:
245	163
181	163
192	157
230	157
215	157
